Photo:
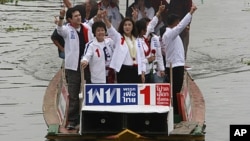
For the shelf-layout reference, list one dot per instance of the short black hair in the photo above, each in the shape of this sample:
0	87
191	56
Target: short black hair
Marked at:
70	12
172	18
98	24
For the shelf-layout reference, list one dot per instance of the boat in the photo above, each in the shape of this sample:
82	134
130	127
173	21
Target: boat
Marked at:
137	124
126	112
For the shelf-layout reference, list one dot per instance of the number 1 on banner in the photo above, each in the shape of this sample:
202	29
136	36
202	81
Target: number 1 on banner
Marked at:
146	93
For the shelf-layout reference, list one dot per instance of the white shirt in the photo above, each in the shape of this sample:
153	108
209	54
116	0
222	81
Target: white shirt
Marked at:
98	55
71	47
150	12
174	50
121	52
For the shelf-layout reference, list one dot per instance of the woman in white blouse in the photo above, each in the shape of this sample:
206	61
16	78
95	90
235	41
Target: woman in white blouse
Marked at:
127	59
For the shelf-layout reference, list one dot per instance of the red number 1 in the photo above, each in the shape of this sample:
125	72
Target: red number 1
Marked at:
146	92
98	53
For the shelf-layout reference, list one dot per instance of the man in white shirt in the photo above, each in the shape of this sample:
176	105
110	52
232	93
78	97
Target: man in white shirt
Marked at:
76	35
174	51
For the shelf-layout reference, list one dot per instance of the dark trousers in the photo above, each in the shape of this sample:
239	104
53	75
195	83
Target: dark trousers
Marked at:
178	76
73	79
148	78
128	74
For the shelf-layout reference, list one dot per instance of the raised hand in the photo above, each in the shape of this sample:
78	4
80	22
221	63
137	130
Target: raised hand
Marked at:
63	11
160	10
193	9
161	7
104	15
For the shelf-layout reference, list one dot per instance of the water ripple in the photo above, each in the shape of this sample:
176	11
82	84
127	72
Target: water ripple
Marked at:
8	104
6	68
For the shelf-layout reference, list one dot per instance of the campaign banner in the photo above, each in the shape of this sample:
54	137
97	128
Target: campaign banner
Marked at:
127	94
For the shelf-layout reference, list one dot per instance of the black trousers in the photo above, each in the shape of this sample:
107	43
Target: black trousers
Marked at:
148	78
178	76
128	74
73	79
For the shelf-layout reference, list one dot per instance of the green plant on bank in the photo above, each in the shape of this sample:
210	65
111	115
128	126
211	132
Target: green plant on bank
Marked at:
247	62
24	27
6	1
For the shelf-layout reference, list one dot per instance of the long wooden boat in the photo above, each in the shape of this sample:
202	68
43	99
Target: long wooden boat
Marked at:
191	127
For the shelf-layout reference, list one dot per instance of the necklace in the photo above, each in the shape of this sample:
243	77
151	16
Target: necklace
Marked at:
131	47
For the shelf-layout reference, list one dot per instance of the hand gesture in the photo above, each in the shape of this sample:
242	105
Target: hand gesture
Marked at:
161	8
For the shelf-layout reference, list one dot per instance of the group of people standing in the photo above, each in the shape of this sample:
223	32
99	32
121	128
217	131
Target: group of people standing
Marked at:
113	48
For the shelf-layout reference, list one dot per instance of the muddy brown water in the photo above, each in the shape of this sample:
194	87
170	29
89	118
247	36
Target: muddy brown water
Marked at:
218	53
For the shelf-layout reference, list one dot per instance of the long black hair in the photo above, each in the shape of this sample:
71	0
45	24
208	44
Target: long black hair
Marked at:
121	30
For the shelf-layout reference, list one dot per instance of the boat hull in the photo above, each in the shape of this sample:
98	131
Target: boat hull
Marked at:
193	128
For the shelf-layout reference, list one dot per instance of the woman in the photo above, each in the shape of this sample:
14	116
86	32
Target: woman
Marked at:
149	42
127	59
98	53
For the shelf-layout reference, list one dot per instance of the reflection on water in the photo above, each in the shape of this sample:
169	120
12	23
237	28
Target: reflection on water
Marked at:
28	60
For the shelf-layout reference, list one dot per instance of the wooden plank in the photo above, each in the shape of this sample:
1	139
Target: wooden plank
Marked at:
184	128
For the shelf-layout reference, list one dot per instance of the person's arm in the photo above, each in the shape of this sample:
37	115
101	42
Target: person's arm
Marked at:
182	25
88	53
60	28
55	37
112	32
58	45
68	3
106	20
97	17
154	21
61	17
